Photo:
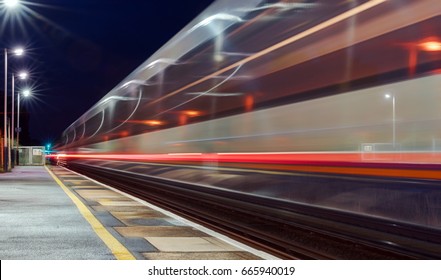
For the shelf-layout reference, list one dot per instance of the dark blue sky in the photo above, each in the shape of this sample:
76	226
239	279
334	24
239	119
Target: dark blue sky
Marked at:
78	50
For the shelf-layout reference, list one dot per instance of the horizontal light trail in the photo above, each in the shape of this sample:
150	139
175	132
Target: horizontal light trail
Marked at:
404	165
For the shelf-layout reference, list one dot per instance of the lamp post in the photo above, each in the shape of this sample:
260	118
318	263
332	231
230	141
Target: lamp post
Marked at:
22	75
9	4
388	96
26	93
18	52
12	122
5	120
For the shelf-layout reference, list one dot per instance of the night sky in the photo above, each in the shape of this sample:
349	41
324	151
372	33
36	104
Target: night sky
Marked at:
78	50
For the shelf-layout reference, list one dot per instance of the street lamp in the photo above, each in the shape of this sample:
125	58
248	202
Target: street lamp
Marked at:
11	3
26	93
18	52
22	76
389	96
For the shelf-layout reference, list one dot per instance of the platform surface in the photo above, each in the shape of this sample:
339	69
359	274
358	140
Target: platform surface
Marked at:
39	221
52	213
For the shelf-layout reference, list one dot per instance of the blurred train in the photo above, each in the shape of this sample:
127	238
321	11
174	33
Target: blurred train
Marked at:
341	88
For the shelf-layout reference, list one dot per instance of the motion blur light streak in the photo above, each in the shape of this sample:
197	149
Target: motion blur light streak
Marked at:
220	17
284	6
118	98
208	92
192	113
296	109
135	82
147	122
98	129
420	165
165	61
216	94
284	43
153	122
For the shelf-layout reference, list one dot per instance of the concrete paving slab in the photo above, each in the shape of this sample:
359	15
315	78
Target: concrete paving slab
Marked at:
101	208
111	202
65	177
188	244
221	244
146	222
160	231
76	181
137	244
144	214
97	187
108	220
200	256
175	222
101	194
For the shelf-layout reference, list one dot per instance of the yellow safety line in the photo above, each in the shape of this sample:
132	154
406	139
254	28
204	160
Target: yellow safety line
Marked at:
118	250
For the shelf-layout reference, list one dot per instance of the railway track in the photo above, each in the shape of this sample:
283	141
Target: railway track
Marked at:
287	230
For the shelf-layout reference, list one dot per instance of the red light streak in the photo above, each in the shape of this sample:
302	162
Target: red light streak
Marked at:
267	158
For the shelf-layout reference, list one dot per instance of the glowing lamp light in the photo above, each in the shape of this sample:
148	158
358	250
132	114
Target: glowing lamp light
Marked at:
11	3
432	46
23	75
18	51
26	93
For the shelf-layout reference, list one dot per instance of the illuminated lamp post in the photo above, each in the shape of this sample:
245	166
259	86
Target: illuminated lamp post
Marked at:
18	52
22	76
26	93
388	96
11	3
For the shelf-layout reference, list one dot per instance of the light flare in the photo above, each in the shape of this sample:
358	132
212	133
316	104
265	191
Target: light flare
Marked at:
23	75
147	122
431	46
11	3
192	113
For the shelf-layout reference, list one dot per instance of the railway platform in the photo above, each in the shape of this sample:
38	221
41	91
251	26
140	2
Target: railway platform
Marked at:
49	212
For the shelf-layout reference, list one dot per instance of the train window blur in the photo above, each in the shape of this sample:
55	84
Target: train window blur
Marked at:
351	54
